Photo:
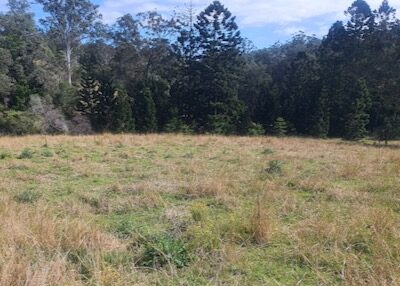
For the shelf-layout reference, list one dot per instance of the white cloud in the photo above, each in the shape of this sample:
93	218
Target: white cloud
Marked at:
286	16
249	12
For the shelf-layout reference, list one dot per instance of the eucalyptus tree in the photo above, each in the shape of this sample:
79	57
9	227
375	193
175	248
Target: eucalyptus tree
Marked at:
69	22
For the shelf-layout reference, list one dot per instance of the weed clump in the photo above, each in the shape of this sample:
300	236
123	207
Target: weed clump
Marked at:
275	167
26	154
163	251
125	229
4	155
27	197
47	153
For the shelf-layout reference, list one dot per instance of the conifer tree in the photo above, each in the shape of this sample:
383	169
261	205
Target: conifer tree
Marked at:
220	44
122	113
88	93
145	111
280	127
358	117
321	115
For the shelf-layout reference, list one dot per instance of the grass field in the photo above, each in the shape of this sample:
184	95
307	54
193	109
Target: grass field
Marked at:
182	210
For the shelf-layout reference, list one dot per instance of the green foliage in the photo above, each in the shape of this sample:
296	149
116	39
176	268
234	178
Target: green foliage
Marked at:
21	97
275	167
18	123
358	117
164	250
27	197
256	129
389	129
321	118
26	153
47	153
199	212
125	228
176	125
136	76
145	111
66	98
280	127
123	120
5	155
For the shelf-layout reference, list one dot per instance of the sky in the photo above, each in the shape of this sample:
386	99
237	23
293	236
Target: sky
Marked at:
264	22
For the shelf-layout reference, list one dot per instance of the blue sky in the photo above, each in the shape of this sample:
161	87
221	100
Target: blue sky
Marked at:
264	22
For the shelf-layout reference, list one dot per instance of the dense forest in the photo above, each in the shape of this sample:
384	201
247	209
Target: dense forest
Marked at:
195	73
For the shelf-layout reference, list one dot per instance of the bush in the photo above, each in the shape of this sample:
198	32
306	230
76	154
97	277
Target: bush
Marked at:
26	154
164	250
256	129
280	127
18	123
27	197
175	125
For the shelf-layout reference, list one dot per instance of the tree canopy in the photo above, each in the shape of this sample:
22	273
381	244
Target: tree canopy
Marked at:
193	72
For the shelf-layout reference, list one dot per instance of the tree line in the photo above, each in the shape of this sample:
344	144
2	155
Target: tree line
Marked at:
195	73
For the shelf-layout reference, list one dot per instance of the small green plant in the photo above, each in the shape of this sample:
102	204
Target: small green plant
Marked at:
26	154
124	229
4	155
274	167
47	153
268	151
199	212
280	127
256	129
27	197
164	250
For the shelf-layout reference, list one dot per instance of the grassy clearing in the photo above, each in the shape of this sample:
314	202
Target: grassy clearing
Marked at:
181	210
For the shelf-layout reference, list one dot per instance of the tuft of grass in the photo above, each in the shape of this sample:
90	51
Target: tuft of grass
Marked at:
5	155
47	153
27	197
268	151
26	153
164	250
261	224
199	212
275	167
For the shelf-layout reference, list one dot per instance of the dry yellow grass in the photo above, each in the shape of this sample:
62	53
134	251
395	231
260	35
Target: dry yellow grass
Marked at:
248	211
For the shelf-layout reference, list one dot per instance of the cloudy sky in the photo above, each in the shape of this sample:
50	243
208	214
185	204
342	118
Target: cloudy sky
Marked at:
262	21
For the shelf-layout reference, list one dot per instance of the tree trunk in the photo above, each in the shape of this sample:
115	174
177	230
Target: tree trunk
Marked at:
69	64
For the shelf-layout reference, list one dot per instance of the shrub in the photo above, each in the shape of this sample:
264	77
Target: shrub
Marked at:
164	250
280	127
26	154
19	123
27	197
256	130
175	125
